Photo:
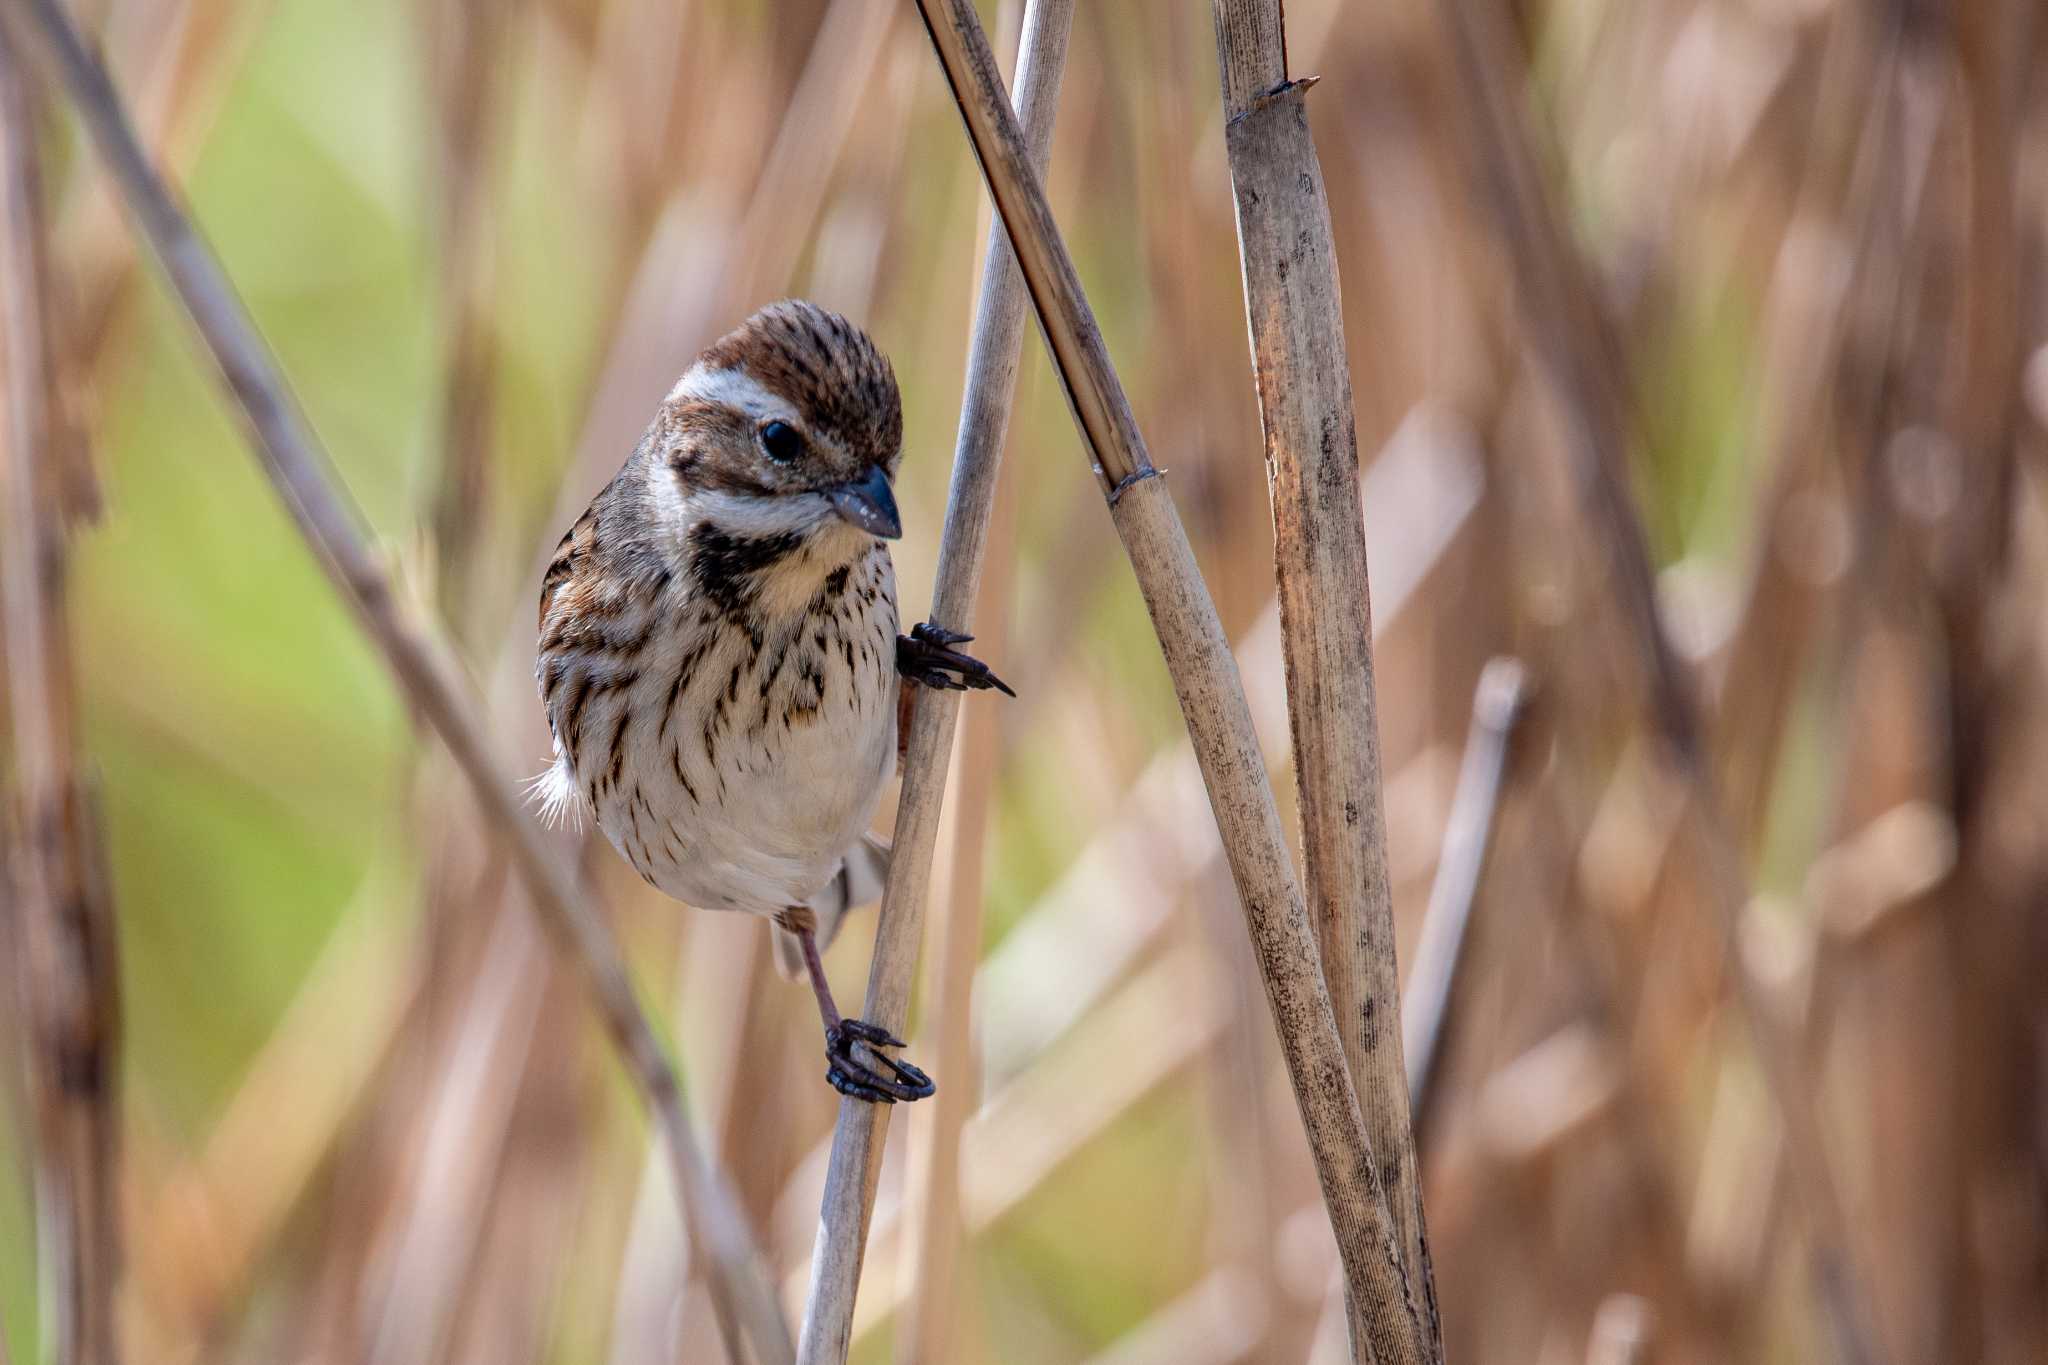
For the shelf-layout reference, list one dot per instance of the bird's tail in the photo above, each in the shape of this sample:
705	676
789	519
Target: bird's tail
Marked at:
858	882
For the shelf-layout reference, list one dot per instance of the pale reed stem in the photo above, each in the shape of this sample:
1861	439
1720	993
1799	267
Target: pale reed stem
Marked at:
1211	694
65	937
857	1138
1426	1008
1302	367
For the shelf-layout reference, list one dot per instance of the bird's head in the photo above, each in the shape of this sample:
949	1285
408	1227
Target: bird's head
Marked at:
783	438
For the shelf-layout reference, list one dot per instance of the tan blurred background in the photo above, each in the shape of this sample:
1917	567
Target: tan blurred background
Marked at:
367	1116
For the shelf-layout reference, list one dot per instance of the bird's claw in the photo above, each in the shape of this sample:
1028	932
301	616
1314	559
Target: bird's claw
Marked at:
857	1080
926	655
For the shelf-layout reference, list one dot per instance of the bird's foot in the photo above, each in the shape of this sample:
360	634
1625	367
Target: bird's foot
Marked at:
926	655
854	1078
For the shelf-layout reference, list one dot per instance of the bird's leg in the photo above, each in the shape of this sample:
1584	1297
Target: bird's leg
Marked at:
847	1073
926	655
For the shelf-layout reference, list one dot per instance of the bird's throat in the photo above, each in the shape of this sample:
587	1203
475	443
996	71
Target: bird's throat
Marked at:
773	576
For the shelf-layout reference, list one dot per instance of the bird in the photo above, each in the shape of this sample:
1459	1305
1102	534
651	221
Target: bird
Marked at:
719	657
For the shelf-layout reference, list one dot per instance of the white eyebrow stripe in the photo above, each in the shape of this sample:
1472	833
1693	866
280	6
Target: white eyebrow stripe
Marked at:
735	389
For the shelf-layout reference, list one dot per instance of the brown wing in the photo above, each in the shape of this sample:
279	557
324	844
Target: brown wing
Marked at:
572	553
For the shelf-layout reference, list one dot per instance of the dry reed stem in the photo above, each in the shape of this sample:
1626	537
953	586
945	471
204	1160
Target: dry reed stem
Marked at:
858	1135
1424	490
1468	835
1211	694
933	1181
1302	368
1585	364
67	973
1039	1119
1152	857
1283	943
1427	484
1100	408
420	662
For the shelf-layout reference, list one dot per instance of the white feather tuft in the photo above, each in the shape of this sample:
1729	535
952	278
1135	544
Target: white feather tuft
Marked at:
557	796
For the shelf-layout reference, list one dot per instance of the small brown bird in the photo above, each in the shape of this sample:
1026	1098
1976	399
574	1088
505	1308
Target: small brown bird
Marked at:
719	658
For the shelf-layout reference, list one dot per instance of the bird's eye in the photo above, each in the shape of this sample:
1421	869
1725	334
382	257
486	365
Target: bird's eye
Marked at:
781	441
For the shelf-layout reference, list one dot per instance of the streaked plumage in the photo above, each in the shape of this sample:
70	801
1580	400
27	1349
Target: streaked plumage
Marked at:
719	657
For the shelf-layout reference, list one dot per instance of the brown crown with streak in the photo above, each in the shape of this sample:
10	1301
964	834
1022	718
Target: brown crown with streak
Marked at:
829	371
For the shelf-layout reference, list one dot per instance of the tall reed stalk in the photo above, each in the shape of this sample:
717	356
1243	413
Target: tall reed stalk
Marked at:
858	1136
1302	368
63	923
1219	723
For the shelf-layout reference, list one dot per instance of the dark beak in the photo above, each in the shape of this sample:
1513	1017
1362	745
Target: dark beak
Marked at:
869	503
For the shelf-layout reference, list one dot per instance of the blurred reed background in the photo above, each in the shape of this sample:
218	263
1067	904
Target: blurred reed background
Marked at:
365	1112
